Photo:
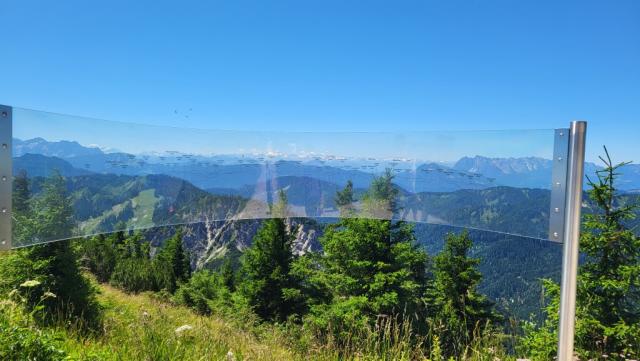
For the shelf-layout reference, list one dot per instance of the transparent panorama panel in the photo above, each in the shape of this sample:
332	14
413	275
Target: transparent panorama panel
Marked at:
76	176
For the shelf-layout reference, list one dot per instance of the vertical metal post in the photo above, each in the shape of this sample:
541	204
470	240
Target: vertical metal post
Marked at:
573	204
6	178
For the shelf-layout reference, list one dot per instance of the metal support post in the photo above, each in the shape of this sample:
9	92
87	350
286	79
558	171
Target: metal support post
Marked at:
571	238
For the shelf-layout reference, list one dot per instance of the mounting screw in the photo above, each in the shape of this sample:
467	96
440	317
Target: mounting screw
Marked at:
555	234
561	134
3	242
4	114
558	184
4	146
4	178
556	209
559	159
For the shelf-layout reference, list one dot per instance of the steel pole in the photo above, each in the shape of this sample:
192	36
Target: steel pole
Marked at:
575	174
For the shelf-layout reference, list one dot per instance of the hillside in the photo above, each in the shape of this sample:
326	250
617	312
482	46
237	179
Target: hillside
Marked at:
142	327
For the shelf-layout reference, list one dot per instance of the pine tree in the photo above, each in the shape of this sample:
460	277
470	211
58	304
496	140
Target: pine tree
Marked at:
459	311
281	208
99	255
373	269
21	194
611	274
173	263
53	266
267	282
53	211
608	295
380	201
377	260
344	200
228	275
22	211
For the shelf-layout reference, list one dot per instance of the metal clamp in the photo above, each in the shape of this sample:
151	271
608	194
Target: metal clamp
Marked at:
6	177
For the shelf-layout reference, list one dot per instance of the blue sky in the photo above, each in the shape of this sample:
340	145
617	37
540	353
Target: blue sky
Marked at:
332	65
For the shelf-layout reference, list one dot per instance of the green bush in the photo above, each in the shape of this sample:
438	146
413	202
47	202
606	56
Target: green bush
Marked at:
28	343
21	338
134	275
198	294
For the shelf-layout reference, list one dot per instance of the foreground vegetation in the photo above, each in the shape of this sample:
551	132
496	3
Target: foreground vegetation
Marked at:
372	293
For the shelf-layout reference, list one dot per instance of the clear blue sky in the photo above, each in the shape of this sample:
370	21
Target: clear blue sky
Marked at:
331	65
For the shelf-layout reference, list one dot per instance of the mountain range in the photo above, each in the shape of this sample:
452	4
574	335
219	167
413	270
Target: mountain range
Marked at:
237	172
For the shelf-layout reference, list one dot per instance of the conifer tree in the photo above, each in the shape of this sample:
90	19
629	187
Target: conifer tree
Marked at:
381	200
228	275
344	199
281	208
21	194
22	211
99	254
459	312
372	268
173	264
268	284
608	294
54	266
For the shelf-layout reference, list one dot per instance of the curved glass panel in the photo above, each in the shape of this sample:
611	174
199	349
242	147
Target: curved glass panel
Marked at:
77	176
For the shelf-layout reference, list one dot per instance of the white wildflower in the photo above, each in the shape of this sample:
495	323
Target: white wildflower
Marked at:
180	330
30	283
230	356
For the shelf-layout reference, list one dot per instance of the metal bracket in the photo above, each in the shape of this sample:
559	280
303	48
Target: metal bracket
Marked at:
559	185
6	177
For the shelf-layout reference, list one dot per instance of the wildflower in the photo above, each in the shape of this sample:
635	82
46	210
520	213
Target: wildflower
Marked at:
230	356
30	283
49	294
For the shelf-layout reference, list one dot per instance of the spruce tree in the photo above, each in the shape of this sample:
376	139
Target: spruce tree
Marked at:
459	312
173	264
228	275
610	277
344	200
372	268
22	211
381	200
54	266
21	194
608	294
281	208
99	255
267	283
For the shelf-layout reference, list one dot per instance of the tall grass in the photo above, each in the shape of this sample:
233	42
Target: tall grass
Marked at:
146	327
